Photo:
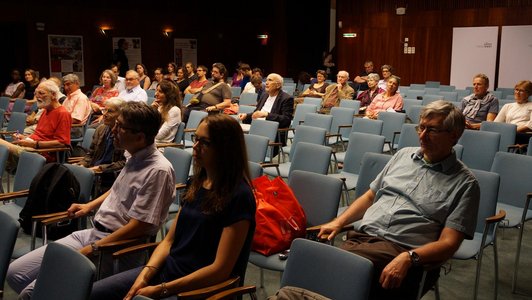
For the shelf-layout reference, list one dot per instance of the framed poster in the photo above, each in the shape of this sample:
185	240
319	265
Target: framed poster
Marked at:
185	50
66	56
133	50
474	51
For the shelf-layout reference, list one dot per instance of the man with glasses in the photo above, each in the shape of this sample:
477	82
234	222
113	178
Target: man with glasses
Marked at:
196	85
336	92
135	206
418	209
133	91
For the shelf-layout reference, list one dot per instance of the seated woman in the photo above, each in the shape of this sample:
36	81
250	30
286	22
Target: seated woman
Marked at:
520	112
144	79
182	81
210	239
387	101
387	71
15	89
171	68
32	81
157	77
103	93
168	102
367	96
315	90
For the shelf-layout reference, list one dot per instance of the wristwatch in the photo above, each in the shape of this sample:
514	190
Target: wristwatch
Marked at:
94	247
414	258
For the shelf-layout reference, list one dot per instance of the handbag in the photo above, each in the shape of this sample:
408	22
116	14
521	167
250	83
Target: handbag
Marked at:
279	217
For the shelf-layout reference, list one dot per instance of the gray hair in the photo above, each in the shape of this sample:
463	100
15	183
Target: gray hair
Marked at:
344	72
397	78
50	86
374	76
111	74
115	101
73	78
454	119
134	73
277	78
483	77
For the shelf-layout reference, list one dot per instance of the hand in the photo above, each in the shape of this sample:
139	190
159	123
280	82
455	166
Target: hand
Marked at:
24	142
150	291
393	274
242	116
87	250
330	230
95	107
211	108
259	114
78	210
155	104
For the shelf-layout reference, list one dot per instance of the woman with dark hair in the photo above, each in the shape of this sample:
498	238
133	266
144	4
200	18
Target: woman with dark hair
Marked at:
182	80
168	102
157	77
210	239
190	73
144	79
15	89
171	68
32	81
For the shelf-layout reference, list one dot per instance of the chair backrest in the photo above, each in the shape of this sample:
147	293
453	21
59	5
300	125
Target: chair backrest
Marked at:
193	122
318	120
393	122
308	134
432	84
4	154
431	91
529	149
516	175
459	151
506	130
313	101
4	102
503	102
264	128
255	170
428	98
180	160
310	157
65	274
235	91
257	147
342	116
150	93
300	112
179	133
408	102
186	99
413	113
2	115
248	99
289	89
447	88
360	143
29	164
245	109
412	93
479	148
367	126
318	195
85	178
417	86
449	96
19	105
408	137
372	164
17	122
489	190
87	138
348	103
8	236
346	277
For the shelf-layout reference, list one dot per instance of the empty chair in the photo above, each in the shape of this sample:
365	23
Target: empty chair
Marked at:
348	103
417	86
193	122
479	148
256	146
19	105
318	195
4	102
408	137
309	134
367	126
428	98
393	122
371	165
449	95
432	84
17	123
408	102
268	129
65	274
415	94
312	100
248	99
306	157
341	124
255	170
413	113
235	91
447	88
8	236
506	130
299	115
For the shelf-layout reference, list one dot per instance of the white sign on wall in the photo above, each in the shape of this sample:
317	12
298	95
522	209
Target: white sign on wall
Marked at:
474	51
185	50
515	63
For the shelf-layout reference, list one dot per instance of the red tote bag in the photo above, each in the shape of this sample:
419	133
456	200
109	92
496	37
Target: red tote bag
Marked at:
279	217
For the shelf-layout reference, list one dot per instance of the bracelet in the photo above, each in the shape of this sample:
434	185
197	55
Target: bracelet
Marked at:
164	291
152	267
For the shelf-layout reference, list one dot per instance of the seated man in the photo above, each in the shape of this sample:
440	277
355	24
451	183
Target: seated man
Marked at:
418	209
135	206
53	129
133	91
76	103
196	85
481	105
336	92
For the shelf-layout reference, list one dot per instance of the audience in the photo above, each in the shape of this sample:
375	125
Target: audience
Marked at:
210	238
171	69
30	84
135	206
144	79
367	96
196	85
336	92
120	84
168	103
76	103
106	91
417	211
182	80
387	71
34	116
191	71
362	78
520	112
315	90
481	105
15	89
133	91
390	100
157	77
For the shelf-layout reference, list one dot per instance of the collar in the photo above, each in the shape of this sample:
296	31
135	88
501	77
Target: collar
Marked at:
143	154
443	166
75	93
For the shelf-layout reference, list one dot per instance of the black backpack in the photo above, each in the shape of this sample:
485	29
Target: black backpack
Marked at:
53	189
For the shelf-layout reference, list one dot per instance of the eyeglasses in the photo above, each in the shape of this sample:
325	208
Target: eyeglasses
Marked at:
519	91
130	79
107	110
120	126
202	142
431	131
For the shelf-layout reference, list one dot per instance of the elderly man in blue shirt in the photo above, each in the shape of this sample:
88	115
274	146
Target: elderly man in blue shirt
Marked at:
418	209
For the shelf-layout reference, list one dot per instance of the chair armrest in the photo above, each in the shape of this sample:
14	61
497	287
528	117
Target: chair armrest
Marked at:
187	130
180	186
164	145
344	126
209	291
121	244
285	129
75	159
395	133
234	293
134	249
50	215
269	165
45	150
13	195
496	218
8	132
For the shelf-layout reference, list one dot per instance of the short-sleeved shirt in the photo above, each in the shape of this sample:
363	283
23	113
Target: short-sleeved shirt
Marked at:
216	95
519	114
143	191
135	94
197	234
77	104
415	200
54	125
476	109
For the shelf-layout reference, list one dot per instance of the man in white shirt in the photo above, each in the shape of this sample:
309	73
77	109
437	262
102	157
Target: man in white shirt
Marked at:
133	91
120	84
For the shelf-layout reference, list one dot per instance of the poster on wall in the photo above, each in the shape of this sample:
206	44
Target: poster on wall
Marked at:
185	50
515	60
66	56
474	51
131	47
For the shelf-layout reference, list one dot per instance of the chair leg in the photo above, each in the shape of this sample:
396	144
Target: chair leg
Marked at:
261	278
517	254
496	261
421	285
437	290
